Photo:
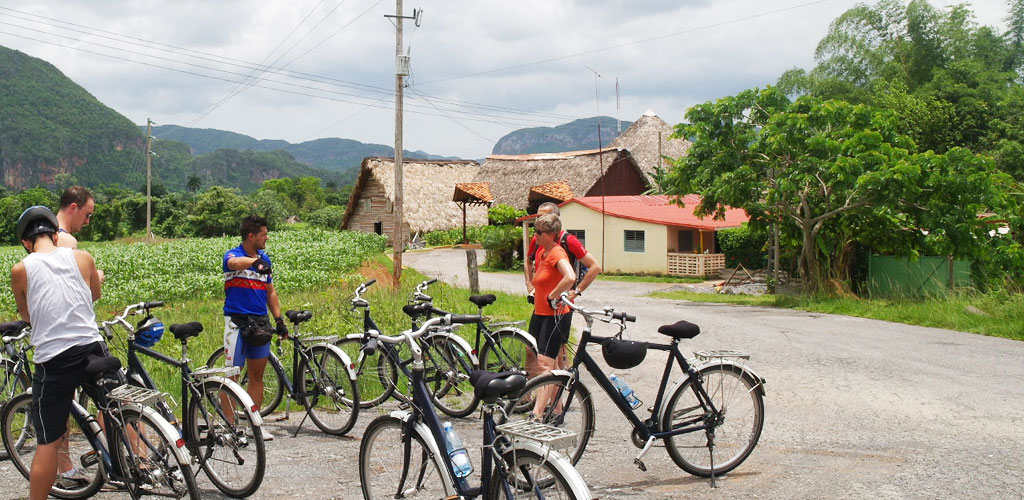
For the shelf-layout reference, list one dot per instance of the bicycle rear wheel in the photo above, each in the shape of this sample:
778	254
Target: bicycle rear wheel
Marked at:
578	416
382	471
334	403
532	476
228	445
273	386
12	383
737	396
447	376
146	453
374	373
77	462
505	350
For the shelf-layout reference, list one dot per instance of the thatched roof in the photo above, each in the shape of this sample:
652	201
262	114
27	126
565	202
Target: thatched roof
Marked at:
427	186
512	176
473	192
558	190
641	139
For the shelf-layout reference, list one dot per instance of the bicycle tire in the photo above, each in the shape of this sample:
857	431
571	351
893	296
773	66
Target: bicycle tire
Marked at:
156	469
328	408
736	394
447	376
381	460
273	386
374	388
20	443
533	472
228	444
579	417
14	382
505	350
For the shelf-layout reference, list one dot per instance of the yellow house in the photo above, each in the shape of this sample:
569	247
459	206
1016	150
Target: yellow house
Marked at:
647	234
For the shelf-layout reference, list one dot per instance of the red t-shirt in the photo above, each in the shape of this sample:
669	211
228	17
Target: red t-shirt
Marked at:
546	279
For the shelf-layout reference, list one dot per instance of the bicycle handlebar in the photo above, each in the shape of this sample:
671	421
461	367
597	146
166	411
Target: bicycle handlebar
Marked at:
20	327
607	315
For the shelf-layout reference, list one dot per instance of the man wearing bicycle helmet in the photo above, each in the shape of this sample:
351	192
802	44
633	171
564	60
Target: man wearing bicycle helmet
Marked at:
248	293
54	289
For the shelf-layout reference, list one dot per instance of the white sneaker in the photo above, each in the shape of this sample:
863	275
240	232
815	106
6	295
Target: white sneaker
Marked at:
267	436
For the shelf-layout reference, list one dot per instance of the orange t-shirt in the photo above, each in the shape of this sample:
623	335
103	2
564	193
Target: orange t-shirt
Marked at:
546	278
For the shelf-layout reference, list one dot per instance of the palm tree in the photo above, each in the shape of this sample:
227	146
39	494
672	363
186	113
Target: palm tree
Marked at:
193	183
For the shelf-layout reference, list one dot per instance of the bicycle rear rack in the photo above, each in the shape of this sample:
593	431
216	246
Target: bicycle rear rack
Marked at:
499	324
134	394
329	339
549	435
707	355
215	371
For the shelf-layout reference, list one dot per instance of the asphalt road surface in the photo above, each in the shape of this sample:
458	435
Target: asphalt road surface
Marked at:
855	408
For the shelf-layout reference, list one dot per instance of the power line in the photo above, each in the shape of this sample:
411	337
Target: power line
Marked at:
626	44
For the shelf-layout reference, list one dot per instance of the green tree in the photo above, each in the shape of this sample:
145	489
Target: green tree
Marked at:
194	183
831	173
270	205
219	211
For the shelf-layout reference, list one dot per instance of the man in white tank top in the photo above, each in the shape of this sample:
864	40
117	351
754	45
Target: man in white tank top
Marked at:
54	289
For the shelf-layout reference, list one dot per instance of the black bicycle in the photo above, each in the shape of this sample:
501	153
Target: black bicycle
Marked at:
220	423
322	379
710	418
16	367
409	454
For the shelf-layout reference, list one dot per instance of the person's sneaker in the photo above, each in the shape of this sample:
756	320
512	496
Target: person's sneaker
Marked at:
70	479
267	436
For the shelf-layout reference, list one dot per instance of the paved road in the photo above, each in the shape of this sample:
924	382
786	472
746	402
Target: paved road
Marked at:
855	408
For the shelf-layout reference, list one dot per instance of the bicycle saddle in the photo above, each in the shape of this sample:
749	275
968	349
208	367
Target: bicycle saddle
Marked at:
414	310
183	331
299	316
483	300
680	330
98	365
490	387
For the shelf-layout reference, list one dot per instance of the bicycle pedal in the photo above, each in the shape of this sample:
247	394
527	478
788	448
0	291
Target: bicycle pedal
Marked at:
640	464
89	459
281	418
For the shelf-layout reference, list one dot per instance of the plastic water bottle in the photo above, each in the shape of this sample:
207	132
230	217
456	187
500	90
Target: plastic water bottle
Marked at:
461	465
626	392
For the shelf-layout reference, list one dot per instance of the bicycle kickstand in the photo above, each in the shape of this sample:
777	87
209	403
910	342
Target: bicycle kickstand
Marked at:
640	463
711	450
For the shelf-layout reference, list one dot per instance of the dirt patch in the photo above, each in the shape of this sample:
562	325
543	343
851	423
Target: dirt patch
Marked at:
374	269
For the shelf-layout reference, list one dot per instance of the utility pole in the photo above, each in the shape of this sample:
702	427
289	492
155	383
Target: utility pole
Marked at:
149	178
401	71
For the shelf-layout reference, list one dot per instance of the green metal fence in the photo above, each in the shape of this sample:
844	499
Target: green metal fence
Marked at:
892	276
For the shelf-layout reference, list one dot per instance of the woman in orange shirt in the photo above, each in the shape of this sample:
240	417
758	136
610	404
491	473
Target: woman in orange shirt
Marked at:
553	276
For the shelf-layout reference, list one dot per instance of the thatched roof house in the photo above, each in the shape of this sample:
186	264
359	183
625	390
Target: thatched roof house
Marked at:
648	140
427	193
512	176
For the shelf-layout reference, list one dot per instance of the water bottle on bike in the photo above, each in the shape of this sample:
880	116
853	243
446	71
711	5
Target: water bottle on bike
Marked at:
626	391
460	457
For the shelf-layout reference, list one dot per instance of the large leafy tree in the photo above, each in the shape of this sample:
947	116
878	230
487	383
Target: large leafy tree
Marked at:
830	173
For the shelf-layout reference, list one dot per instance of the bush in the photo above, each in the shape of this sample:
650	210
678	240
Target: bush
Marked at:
743	245
503	244
501	214
448	237
328	217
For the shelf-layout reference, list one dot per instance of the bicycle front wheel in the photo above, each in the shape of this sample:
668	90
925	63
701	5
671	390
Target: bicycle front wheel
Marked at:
273	386
737	396
383	472
146	453
79	473
506	350
545	397
374	373
532	476
447	376
227	443
333	399
12	383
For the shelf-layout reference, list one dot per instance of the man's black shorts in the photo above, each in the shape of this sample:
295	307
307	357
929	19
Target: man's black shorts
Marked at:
53	387
551	332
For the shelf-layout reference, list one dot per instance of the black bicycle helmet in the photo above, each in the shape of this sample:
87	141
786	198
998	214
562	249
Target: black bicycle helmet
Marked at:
621	354
35	221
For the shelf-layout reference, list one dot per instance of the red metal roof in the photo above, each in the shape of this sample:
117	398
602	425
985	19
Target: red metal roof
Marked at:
657	209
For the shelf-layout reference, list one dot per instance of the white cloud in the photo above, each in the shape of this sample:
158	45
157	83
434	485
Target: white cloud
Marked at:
716	55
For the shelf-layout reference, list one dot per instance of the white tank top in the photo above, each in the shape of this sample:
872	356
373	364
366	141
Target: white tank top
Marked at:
59	304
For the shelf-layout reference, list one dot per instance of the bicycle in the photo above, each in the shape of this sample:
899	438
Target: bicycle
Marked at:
322	379
17	370
135	448
505	348
220	423
448	355
710	418
403	454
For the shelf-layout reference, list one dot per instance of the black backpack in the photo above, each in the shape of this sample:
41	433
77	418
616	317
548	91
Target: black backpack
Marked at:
577	265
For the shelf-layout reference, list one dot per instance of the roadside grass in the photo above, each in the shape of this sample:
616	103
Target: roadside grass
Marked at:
1001	313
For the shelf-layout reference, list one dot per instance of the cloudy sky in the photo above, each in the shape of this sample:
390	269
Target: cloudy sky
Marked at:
480	68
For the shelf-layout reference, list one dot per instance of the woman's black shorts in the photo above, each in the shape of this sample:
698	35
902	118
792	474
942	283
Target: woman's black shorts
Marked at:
551	332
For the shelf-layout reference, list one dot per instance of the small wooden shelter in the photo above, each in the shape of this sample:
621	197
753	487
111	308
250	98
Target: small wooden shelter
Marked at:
471	194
